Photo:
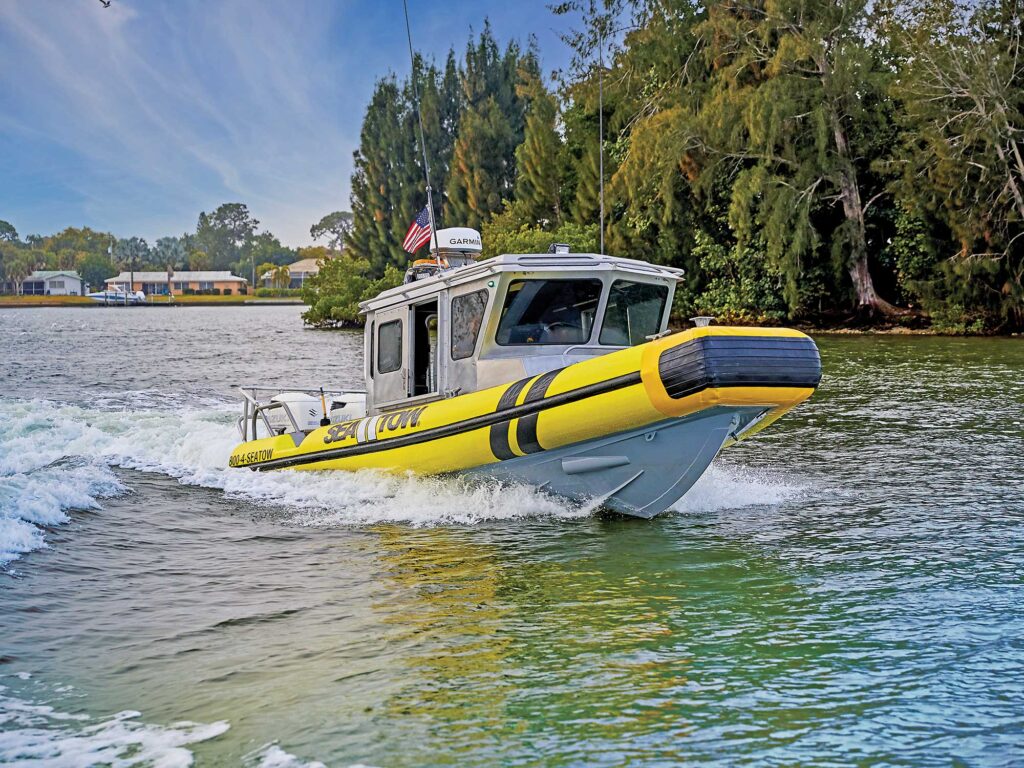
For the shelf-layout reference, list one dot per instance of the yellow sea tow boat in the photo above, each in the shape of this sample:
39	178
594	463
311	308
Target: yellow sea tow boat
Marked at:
550	369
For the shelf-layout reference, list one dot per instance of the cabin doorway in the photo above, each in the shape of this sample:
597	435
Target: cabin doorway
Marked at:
424	349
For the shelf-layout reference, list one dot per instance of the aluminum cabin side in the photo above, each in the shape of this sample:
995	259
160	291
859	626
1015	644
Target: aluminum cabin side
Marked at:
499	320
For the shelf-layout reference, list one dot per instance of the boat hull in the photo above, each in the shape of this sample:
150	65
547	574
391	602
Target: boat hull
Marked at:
640	472
115	299
633	429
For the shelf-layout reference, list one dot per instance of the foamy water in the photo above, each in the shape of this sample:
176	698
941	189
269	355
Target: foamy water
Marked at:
44	737
41	736
55	457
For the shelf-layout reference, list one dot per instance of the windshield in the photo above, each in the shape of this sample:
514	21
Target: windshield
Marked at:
634	312
548	312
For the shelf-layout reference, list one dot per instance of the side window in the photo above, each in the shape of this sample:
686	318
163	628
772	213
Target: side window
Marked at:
389	347
634	312
467	317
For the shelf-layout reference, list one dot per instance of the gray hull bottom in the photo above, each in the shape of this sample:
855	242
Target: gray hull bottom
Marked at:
640	472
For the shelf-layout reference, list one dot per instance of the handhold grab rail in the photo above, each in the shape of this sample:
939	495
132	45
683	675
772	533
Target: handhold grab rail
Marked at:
254	409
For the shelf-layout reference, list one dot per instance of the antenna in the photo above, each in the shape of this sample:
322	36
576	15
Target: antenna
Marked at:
600	121
423	142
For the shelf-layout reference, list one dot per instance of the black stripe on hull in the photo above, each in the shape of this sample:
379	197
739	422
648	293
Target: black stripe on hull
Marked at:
526	427
500	446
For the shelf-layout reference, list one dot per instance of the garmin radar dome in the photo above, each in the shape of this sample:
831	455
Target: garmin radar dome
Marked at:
460	240
455	247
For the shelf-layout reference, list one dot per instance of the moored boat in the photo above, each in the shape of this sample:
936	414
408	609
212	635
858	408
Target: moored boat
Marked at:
118	296
552	369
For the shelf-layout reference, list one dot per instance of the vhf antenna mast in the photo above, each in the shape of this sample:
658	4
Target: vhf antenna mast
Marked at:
423	141
600	120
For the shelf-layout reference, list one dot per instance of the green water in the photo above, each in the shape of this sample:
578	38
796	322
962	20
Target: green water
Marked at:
846	588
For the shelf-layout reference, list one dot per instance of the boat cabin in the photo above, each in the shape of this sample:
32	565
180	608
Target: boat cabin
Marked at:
459	325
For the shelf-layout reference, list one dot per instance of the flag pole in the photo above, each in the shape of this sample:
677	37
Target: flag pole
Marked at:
423	142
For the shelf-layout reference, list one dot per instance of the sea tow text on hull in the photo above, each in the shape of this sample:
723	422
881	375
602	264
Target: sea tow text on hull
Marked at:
389	422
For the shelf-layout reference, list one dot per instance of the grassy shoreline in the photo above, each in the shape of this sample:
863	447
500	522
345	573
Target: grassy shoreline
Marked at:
11	302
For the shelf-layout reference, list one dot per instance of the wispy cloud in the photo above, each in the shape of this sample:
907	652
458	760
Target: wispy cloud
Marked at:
135	117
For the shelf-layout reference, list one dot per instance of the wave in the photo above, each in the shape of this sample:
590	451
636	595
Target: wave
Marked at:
32	734
727	487
272	756
42	735
55	457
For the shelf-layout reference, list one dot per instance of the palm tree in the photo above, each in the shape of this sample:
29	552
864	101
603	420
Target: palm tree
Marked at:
281	277
20	267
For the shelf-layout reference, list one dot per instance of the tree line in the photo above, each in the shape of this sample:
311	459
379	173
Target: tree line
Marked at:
823	161
226	239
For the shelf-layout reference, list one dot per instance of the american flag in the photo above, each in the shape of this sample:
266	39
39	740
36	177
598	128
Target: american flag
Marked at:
419	232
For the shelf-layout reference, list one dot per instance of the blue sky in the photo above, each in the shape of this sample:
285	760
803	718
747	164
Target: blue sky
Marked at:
134	118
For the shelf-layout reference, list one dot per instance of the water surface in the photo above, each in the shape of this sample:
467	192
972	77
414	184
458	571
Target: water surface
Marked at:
844	588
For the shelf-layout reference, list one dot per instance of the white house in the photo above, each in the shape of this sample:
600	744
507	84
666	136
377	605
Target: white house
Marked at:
53	283
298	273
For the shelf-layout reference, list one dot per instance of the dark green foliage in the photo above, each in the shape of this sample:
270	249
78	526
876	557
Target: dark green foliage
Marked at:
131	253
508	233
226	236
7	232
739	284
490	129
94	268
334	293
538	186
388	182
960	164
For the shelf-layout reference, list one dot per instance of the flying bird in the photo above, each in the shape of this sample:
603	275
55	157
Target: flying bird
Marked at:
105	3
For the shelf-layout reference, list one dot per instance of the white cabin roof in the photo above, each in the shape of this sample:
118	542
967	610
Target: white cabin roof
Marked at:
512	262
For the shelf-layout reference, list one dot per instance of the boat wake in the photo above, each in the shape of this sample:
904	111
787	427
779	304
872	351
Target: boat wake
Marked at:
32	734
55	457
725	487
40	734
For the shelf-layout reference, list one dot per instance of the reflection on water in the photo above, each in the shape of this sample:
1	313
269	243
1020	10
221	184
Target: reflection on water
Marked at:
843	589
446	609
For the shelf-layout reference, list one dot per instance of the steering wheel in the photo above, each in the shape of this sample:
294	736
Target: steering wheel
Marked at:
551	328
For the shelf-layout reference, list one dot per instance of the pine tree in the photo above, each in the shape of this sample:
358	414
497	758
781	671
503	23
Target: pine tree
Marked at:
538	158
388	187
490	129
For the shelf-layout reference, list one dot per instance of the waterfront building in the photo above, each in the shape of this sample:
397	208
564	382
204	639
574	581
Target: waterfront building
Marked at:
298	273
53	283
181	283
